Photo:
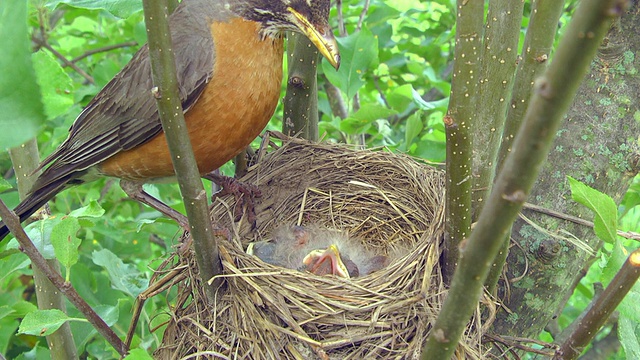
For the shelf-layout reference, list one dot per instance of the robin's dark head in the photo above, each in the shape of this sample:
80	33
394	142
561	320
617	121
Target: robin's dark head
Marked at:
310	17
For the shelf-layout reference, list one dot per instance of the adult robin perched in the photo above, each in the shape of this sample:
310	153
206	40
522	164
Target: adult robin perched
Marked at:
229	65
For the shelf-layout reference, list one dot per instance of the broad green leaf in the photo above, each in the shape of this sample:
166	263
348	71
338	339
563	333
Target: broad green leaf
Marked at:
604	208
12	263
614	263
629	332
40	234
4	185
55	84
44	322
119	8
124	277
138	354
400	97
22	308
362	120
414	127
5	311
21	110
358	53
93	210
372	111
65	242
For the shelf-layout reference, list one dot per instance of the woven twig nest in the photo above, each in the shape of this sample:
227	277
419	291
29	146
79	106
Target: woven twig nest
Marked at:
386	200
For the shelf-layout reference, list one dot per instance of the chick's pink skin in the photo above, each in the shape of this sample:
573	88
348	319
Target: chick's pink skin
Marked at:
325	262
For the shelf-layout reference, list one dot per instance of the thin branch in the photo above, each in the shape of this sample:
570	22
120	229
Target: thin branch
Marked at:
601	309
363	14
102	49
13	223
65	61
163	71
554	93
625	234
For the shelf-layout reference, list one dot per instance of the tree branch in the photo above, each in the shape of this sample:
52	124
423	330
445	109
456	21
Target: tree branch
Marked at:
163	71
13	223
601	309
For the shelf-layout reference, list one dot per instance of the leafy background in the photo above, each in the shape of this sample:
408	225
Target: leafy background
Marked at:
395	78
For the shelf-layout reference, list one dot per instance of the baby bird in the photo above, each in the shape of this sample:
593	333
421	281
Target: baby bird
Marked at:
319	251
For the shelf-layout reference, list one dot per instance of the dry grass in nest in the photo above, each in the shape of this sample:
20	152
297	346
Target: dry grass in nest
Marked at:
268	312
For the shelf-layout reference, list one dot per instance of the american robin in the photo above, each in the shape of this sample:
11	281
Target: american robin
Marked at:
318	250
229	65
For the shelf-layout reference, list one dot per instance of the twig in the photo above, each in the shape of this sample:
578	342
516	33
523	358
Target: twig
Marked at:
601	309
363	13
515	342
625	234
13	223
163	71
64	60
102	49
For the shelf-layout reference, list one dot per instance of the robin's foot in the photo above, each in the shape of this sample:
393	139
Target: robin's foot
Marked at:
134	190
244	194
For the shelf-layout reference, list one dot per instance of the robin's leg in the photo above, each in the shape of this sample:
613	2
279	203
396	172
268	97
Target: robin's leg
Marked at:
243	193
134	190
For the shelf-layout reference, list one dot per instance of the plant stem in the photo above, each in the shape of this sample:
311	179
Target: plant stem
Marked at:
301	99
163	71
601	309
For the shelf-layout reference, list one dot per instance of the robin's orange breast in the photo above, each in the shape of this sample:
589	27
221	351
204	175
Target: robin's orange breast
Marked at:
234	107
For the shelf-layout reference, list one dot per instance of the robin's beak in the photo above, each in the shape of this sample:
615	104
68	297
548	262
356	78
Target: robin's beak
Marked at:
321	36
316	258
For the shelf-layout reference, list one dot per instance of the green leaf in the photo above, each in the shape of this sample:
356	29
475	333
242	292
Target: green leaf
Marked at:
614	263
364	117
603	207
400	97
5	311
358	53
124	277
55	84
12	263
22	308
21	110
93	210
414	127
44	322
4	185
65	242
138	354
119	8
628	332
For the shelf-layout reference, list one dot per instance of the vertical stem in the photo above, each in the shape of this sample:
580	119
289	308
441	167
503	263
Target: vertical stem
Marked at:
163	70
25	159
301	99
458	122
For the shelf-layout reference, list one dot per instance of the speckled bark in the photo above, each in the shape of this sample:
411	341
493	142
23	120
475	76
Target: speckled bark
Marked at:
598	145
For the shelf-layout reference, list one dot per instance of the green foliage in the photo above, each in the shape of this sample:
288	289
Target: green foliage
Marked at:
21	110
394	81
44	322
605	210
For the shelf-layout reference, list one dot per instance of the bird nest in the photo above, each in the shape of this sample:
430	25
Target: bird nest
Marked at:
263	311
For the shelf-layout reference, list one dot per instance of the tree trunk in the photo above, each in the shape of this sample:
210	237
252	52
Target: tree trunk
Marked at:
598	145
